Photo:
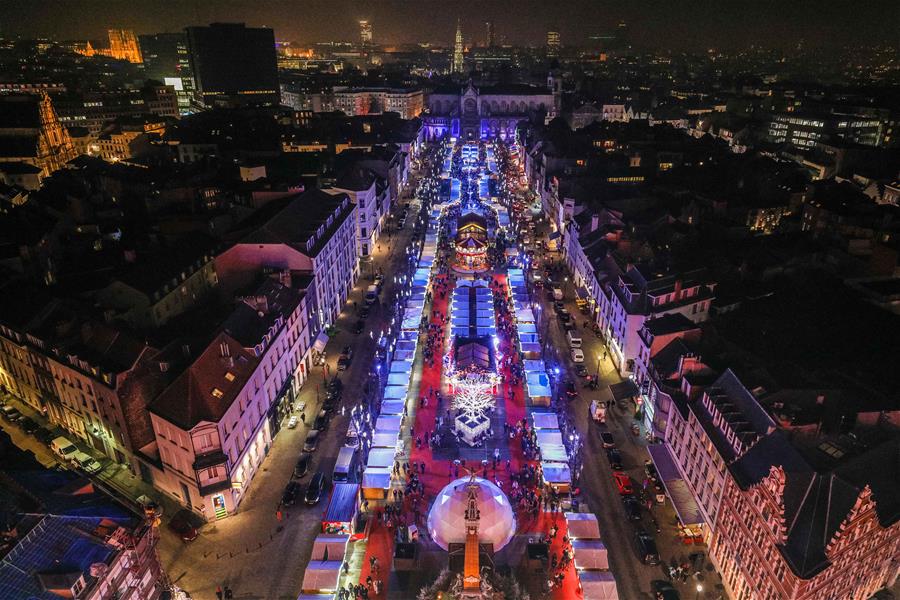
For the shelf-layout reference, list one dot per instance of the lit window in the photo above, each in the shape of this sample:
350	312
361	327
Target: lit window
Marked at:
217	393
229	376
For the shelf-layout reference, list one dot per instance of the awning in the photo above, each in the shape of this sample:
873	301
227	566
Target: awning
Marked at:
554	235
321	341
582	293
624	390
685	506
582	526
322	575
590	554
342	505
598	585
330	547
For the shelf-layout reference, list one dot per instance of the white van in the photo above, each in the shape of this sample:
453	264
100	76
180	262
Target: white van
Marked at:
574	339
343	467
371	294
63	448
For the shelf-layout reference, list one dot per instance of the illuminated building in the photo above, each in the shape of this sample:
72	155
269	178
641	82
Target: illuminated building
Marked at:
552	43
167	60
30	132
457	65
365	34
234	65
408	103
485	112
215	424
123	45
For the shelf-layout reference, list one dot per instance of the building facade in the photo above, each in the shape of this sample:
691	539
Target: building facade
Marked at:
30	132
215	424
474	113
234	65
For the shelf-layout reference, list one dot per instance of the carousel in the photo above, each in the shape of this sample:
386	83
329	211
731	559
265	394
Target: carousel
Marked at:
471	244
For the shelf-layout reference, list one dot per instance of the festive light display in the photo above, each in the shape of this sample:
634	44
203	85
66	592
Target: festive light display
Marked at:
473	396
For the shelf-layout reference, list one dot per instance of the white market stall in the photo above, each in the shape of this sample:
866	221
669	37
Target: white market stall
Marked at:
582	526
322	576
590	554
598	585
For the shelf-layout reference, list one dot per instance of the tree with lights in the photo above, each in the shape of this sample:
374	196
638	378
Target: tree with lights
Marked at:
473	397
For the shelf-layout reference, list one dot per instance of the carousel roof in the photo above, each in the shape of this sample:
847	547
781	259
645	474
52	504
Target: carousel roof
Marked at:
447	522
471	244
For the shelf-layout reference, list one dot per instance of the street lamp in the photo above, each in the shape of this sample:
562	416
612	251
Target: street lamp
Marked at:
699	589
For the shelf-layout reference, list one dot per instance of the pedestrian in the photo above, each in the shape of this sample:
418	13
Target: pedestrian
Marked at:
219	594
229	595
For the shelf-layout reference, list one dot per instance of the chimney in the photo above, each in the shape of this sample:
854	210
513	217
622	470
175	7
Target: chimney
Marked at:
677	294
224	350
595	221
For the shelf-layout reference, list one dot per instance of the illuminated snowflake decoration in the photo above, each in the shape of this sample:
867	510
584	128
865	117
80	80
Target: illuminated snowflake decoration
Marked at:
473	397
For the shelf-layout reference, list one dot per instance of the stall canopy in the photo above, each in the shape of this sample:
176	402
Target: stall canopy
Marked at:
525	315
398	378
322	575
598	585
536	391
395	392
321	341
556	473
545	420
388	424
402	366
342	504
685	506
590	554
549	437
330	547
392	407
381	457
582	526
377	478
534	366
384	440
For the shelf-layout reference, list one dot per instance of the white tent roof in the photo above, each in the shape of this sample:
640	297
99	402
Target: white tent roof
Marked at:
381	457
384	440
388	424
598	585
582	526
329	547
377	478
556	472
590	554
392	407
548	437
398	379
446	518
395	392
545	420
322	575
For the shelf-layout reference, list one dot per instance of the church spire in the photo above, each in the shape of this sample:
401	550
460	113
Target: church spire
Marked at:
457	66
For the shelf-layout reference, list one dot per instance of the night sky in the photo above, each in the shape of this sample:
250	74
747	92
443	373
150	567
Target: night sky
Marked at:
677	24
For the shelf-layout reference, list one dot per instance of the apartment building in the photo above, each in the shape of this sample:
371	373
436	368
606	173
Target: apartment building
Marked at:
215	423
313	234
368	193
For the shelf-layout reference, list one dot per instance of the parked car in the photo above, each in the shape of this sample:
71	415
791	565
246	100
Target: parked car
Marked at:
351	440
646	548
292	422
28	425
663	590
63	448
180	523
302	466
12	414
345	358
314	489
558	306
364	312
360	325
608	440
312	441
623	483
571	390
614	458
86	463
581	370
577	355
632	508
564	315
290	493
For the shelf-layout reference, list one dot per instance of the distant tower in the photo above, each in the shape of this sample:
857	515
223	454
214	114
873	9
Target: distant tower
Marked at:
489	34
554	84
457	66
365	34
552	44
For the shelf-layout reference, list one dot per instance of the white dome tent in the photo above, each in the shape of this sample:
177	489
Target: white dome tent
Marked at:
447	522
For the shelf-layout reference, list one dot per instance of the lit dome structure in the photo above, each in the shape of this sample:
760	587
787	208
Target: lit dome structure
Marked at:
447	520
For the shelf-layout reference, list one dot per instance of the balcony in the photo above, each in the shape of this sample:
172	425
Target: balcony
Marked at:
210	459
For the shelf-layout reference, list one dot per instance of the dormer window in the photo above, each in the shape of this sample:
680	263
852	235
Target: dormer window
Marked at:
217	393
229	376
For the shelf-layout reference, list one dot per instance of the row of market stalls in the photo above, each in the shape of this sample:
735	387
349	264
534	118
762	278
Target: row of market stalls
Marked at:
322	575
591	558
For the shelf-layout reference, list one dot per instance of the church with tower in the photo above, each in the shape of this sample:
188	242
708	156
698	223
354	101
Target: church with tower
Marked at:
473	113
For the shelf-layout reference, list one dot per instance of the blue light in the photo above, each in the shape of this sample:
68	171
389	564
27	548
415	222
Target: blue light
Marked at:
556	370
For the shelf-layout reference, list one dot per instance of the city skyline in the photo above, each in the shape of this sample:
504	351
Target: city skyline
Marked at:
678	26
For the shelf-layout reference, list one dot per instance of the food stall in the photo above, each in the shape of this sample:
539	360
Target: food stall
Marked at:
582	526
598	585
376	482
341	511
590	554
322	576
328	547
